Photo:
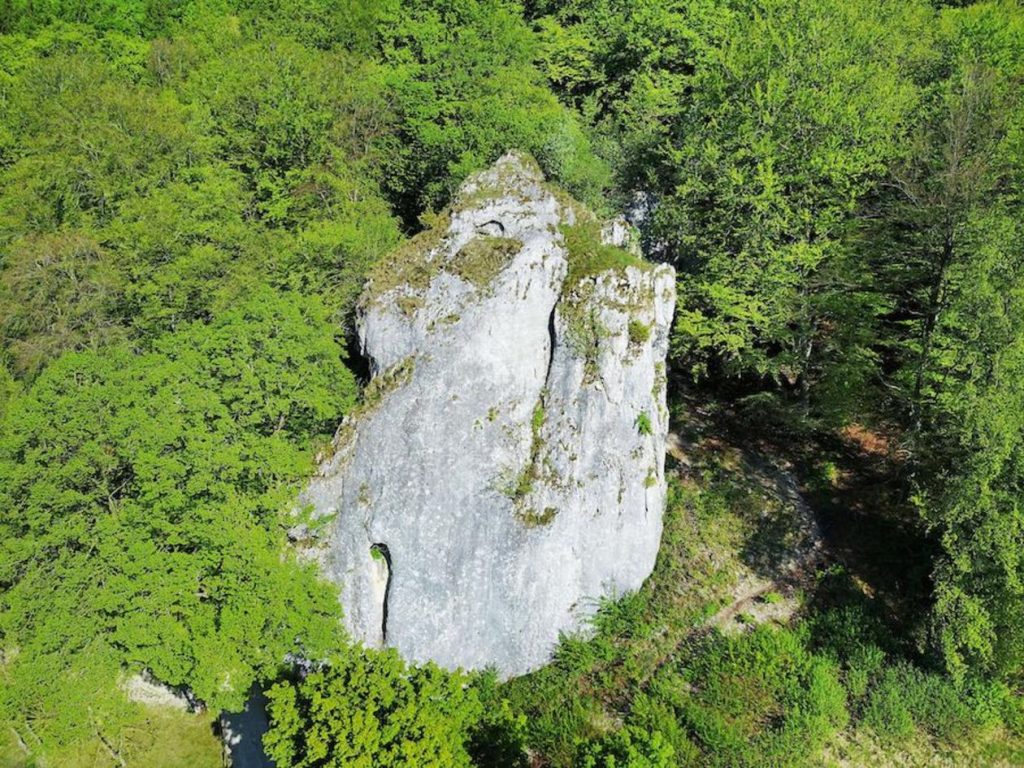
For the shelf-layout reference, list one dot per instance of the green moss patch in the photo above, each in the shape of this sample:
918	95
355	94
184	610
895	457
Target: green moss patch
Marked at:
521	484
481	259
639	332
386	382
411	268
501	182
584	329
409	265
589	256
533	518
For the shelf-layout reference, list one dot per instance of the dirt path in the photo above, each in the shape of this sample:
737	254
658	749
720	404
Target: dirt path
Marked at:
768	588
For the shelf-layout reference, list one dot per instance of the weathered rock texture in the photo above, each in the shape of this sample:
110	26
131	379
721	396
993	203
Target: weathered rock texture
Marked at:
144	689
507	467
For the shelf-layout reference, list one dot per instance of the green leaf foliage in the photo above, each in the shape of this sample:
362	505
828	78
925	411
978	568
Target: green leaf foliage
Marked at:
144	503
366	709
629	747
759	697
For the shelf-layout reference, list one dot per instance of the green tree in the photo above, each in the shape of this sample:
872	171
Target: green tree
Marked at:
58	293
87	140
461	76
8	391
949	245
143	504
758	145
273	106
782	137
186	251
365	709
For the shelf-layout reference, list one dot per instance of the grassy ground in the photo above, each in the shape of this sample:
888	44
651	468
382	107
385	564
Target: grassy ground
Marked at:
158	739
861	747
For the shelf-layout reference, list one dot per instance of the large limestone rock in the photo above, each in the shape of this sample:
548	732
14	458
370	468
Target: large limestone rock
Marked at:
507	467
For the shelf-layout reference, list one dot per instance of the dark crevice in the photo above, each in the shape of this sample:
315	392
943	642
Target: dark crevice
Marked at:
492	228
376	551
551	343
356	361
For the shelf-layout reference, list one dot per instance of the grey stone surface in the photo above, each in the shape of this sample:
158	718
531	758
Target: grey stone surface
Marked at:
510	455
143	688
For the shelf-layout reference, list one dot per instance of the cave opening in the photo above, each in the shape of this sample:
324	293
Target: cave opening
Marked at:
357	361
381	554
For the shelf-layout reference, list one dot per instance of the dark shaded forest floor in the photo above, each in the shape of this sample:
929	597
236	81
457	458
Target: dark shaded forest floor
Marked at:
851	487
854	485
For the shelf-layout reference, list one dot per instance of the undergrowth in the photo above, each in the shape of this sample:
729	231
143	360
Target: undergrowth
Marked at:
653	686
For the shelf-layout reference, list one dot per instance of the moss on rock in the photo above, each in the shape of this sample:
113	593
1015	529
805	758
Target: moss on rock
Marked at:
589	256
409	266
481	259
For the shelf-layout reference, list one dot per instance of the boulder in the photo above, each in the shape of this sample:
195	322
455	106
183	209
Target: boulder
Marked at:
143	688
505	470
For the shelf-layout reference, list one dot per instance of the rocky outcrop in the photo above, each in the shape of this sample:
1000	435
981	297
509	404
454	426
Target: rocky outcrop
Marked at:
143	688
506	468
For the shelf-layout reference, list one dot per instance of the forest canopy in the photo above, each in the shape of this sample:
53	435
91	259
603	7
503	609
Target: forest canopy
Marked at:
192	194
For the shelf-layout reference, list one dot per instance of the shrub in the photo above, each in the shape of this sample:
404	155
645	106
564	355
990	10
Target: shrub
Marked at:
849	634
557	707
643	423
887	712
761	698
861	668
907	697
655	715
628	747
499	739
367	709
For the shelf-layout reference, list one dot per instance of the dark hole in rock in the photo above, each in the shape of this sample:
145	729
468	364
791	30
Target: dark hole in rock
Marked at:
380	552
491	228
357	361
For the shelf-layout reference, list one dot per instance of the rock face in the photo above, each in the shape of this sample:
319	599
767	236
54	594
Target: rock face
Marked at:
506	469
144	689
